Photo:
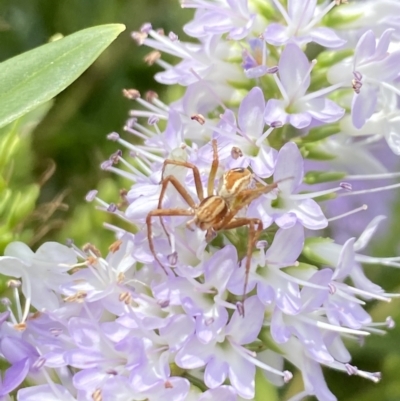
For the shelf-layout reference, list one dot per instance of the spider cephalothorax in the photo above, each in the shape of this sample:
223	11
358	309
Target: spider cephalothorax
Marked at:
215	212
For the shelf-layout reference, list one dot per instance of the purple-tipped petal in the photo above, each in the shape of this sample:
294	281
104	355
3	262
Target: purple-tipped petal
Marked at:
289	169
251	113
346	260
222	393
295	77
286	247
245	329
326	37
275	112
364	105
14	376
216	372
264	163
310	214
301	11
241	375
365	48
276	34
300	120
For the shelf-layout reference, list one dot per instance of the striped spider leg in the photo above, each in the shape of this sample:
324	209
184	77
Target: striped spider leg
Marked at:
215	212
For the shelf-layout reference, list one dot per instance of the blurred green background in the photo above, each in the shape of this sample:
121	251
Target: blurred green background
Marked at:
63	153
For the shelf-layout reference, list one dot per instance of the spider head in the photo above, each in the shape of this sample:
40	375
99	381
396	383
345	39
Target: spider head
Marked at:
234	181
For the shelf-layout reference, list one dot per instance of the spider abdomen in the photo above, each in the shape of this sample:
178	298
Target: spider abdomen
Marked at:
211	211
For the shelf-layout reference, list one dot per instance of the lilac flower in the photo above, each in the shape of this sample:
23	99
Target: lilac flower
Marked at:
286	207
254	60
298	108
226	357
41	272
229	16
163	316
301	18
373	68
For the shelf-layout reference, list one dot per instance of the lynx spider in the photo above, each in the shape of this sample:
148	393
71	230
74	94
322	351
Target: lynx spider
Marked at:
215	212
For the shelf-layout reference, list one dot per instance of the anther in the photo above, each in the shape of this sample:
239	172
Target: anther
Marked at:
125	297
131	94
163	303
106	165
39	363
91	195
153	120
209	321
55	332
390	322
236	153
240	308
115	246
5	301
13	283
114	158
168	384
346	186
20	326
88	247
112	208
152	57
351	370
114	136
139	37
199	118
287	376
146	27
150	96
97	396
332	288
273	70
276	124
173	258
173	36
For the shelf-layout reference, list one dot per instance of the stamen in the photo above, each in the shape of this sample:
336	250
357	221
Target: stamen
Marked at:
322	92
331	327
131	94
372	190
316	194
199	118
261	139
319	17
281	88
209	87
282	10
306	75
359	209
373	176
287	376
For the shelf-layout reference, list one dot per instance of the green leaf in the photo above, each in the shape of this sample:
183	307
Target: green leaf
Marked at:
34	77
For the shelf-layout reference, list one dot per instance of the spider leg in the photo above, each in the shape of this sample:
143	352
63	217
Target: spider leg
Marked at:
214	168
160	213
255	228
196	174
181	190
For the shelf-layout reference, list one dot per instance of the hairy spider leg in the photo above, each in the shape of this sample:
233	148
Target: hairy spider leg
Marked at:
242	199
182	191
255	228
160	213
214	169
